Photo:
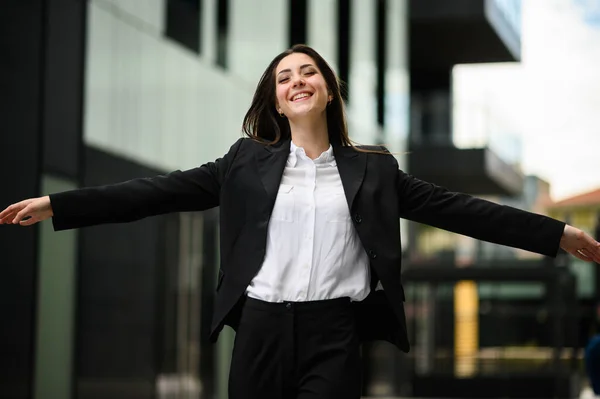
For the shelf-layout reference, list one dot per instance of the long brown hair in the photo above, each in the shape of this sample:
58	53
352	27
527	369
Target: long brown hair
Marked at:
263	123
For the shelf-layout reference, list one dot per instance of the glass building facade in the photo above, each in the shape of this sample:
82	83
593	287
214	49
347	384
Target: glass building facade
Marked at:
118	89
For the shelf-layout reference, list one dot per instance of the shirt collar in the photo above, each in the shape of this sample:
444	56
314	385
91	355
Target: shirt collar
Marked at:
326	157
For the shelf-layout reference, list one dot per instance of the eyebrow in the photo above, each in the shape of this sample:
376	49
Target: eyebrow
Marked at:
301	67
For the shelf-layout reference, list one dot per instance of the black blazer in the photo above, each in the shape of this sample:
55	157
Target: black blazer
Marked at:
244	183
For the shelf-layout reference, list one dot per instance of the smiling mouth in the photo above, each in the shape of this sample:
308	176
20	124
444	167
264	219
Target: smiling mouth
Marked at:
301	97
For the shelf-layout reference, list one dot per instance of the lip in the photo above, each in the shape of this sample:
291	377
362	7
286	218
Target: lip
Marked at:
301	99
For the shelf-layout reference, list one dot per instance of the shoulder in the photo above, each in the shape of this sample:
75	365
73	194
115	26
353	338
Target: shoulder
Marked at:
252	143
246	147
243	144
376	149
379	155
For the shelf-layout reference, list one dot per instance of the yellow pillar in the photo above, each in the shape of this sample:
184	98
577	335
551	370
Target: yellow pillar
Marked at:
466	328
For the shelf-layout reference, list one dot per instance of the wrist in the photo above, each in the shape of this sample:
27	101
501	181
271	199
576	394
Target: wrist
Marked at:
565	234
48	205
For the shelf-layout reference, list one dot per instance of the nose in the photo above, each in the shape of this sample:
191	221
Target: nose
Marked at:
297	80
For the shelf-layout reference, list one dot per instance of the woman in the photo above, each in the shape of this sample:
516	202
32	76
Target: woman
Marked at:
310	242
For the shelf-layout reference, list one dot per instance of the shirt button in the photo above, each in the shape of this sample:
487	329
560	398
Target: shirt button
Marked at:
288	305
357	218
372	254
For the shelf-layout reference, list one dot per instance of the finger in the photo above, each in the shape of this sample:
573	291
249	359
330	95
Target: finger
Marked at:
591	248
587	255
22	214
588	246
29	221
7	218
592	253
7	211
581	254
10	212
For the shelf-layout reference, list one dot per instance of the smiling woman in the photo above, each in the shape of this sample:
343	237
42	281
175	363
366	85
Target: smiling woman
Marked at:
297	71
298	81
310	234
301	93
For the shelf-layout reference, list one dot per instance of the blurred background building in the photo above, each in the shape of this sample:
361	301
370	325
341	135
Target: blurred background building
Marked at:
101	91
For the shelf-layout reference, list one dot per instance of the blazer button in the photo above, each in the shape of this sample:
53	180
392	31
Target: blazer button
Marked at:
357	218
372	254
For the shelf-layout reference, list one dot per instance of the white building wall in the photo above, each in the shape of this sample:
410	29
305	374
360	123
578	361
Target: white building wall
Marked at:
209	31
258	32
151	100
151	12
397	90
322	34
362	100
397	85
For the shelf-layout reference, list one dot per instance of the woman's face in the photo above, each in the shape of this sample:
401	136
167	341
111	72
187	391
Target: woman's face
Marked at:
300	87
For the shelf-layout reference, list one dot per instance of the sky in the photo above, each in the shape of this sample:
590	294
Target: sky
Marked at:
550	100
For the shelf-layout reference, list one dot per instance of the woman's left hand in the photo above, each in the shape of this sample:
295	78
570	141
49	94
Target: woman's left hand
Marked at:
580	244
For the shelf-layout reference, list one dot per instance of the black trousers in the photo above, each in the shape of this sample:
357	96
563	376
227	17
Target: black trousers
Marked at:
296	350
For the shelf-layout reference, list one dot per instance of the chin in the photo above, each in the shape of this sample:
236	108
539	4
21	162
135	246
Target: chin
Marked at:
307	112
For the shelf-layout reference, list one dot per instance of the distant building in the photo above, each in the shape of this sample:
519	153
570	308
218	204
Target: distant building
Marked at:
581	210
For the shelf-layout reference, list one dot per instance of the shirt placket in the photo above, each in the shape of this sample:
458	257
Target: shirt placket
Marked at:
308	234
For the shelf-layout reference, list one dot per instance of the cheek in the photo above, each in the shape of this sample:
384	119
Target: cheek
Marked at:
322	88
280	96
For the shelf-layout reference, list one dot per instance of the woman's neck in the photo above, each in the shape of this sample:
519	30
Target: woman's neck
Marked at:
312	136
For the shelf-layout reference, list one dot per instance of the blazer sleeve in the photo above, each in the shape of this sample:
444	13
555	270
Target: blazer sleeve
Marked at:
179	191
474	217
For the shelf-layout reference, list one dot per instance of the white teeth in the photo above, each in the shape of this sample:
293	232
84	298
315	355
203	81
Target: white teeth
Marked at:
299	96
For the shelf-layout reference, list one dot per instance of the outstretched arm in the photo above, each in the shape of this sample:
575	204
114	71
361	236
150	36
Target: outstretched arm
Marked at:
192	190
484	220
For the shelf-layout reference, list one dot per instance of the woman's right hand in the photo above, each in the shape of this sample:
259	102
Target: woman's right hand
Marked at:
27	212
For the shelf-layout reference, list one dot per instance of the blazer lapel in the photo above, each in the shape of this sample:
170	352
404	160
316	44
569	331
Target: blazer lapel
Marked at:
271	161
351	165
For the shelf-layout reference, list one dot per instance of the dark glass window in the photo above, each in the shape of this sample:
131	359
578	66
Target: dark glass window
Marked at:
380	46
222	32
298	12
183	23
344	44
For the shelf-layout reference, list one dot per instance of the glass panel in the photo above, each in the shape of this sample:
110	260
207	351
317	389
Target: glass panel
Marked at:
511	11
55	309
185	382
224	349
472	328
585	273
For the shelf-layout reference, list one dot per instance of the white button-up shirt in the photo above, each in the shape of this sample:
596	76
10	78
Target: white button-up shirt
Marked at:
313	250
